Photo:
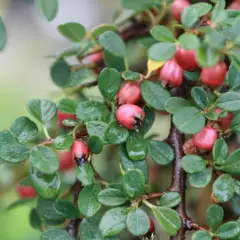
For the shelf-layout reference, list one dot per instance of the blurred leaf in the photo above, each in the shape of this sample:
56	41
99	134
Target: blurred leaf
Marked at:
207	57
63	142
35	220
228	230
232	164
148	121
95	144
200	97
193	76
189	17
96	128
129	75
201	8
85	174
215	216
170	199
100	29
229	101
220	151
19	203
200	235
3	34
67	209
67	106
162	34
189	41
124	16
111	197
235	124
200	179
49	8
51	234
233	78
113	61
138	5
175	103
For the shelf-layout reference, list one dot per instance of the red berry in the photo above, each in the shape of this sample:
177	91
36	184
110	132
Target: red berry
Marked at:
214	76
80	152
224	122
171	73
152	226
235	5
205	139
96	57
26	191
65	160
130	92
62	116
130	116
177	8
186	59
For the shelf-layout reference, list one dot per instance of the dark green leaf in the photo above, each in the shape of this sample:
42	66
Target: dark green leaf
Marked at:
229	101
42	110
100	29
67	106
95	144
59	234
49	8
170	199
189	17
232	164
85	174
161	152
109	82
132	187
138	5
19	203
200	179
67	209
201	235
189	41
3	34
63	142
87	201
223	188
200	97
215	216
35	220
154	94
162	51
73	31
113	61
26	182
174	103
113	44
137	222
235	125
193	163
193	76
44	159
76	78
162	34
90	110
168	218
207	57
129	75
148	121
113	222
116	134
96	128
220	151
111	197
228	230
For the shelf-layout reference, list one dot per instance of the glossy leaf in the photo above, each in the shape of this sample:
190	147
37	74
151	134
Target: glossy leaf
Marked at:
76	78
200	179
35	220
85	174
220	151
193	163
162	34
113	61
63	142
200	97
95	144
55	234
67	105
148	121
228	230
201	235
130	75
229	101
96	128
100	29
170	199
67	209
233	78
174	103
49	8
111	197
232	164
215	215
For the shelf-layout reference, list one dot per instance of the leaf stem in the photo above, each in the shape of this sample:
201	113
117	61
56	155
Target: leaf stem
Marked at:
126	64
45	130
148	203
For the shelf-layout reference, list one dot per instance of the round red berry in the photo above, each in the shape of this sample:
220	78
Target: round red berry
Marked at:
65	160
96	57
186	59
151	225
214	76
130	92
26	191
130	116
80	152
224	122
177	8
205	139
235	5
171	73
62	116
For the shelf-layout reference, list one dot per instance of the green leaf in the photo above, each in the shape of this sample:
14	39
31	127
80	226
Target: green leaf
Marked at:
95	144
19	202
207	57
67	106
136	146
215	39
193	163
49	8
132	187
161	152
232	164
69	123
115	134
111	197
201	8
162	51
42	110
189	120
193	76
168	218
154	94
55	234
138	5
223	188
96	128
201	235
189	41
63	142
87	201
85	174
215	216
3	34
174	103
47	186
90	110
35	220
229	101
129	75
73	31
219	15
127	164
137	222
113	222
235	125
148	121
189	17
44	159
47	212
10	150
23	129
100	29
113	44
220	151
200	179
170	199
235	58
228	230
233	78
109	82
162	34
124	16
76	78
113	61
67	209
200	97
